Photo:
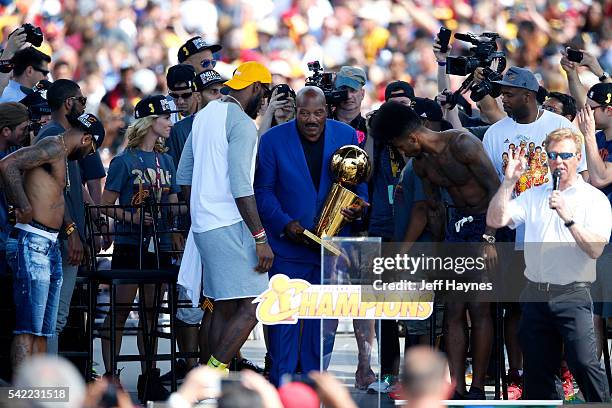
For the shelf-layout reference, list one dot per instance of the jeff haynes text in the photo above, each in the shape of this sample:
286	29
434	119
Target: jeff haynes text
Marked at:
439	284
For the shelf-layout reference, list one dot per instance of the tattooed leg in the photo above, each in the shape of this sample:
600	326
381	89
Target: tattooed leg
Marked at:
21	349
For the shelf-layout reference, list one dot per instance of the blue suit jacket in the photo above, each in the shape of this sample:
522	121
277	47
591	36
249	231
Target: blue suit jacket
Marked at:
284	189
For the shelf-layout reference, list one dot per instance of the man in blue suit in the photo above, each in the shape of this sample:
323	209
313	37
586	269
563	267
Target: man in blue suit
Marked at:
291	184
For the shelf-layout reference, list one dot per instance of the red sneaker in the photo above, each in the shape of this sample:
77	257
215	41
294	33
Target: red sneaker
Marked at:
568	383
395	392
515	391
515	385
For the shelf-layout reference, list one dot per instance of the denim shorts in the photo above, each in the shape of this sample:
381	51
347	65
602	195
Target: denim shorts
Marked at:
36	262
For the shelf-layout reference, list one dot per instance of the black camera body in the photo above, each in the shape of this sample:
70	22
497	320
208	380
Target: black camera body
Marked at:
325	81
483	54
34	34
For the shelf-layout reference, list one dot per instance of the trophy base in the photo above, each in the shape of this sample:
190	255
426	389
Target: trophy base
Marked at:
325	244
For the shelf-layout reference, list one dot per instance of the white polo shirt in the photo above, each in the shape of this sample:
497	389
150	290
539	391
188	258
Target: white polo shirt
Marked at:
551	252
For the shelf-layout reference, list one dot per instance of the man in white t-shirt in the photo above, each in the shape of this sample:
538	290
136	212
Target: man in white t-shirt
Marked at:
526	126
567	225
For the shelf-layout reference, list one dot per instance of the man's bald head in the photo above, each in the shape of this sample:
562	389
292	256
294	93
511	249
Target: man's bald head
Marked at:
425	374
310	95
311	112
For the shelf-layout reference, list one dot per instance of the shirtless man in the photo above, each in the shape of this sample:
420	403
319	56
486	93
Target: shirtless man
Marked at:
456	161
34	179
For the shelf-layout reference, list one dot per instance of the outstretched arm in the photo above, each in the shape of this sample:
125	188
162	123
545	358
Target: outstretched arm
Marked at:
12	166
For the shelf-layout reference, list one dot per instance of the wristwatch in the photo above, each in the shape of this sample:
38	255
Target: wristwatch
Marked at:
604	77
488	238
569	223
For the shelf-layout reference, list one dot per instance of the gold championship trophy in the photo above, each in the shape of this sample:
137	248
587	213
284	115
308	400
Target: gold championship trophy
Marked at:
349	166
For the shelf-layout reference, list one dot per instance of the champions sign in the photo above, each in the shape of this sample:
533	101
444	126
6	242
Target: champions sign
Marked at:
288	300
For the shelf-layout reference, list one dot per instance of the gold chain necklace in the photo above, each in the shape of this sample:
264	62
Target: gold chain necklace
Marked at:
67	188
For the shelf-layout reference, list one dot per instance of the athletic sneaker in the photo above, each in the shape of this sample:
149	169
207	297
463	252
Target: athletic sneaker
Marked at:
381	386
180	368
515	385
475	394
568	383
395	392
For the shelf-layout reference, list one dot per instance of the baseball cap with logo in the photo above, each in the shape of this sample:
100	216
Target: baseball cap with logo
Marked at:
428	109
195	45
206	79
152	105
247	74
353	77
517	77
92	125
399	88
601	93
181	73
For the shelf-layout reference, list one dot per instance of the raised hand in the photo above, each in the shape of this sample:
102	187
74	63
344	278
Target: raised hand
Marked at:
440	56
567	65
517	164
586	121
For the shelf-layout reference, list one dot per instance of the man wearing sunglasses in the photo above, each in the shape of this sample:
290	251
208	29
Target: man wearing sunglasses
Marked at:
29	67
180	94
206	87
199	54
574	221
67	103
526	123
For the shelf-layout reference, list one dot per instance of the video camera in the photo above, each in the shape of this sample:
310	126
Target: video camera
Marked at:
325	81
483	54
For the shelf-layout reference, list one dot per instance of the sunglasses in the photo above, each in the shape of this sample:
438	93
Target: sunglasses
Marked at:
208	63
183	96
81	99
598	107
45	72
563	156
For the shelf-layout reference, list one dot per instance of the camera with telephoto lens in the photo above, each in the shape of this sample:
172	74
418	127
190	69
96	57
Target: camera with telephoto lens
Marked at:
325	81
483	54
34	34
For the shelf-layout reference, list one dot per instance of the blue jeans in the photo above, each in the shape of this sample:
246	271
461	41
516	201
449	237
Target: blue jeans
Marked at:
37	267
69	274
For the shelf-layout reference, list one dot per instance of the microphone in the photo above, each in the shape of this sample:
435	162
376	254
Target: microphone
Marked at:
556	176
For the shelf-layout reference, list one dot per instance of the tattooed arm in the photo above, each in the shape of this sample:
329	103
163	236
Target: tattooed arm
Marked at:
12	167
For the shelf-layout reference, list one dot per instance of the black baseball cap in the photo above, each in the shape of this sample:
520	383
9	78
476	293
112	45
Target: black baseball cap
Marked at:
206	79
181	73
193	46
601	93
395	87
428	109
152	105
36	103
90	124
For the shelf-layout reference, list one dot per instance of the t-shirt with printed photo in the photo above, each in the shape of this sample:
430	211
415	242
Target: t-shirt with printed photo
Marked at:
508	135
137	176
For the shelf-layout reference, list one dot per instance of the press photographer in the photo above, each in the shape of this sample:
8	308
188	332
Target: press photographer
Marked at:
484	55
325	82
29	65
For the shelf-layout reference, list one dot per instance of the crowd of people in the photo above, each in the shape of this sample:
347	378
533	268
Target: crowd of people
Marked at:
202	106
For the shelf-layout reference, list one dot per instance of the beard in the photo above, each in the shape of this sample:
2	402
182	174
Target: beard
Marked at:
252	108
73	114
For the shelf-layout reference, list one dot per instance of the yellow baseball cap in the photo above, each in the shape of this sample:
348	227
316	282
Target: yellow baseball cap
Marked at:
247	74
